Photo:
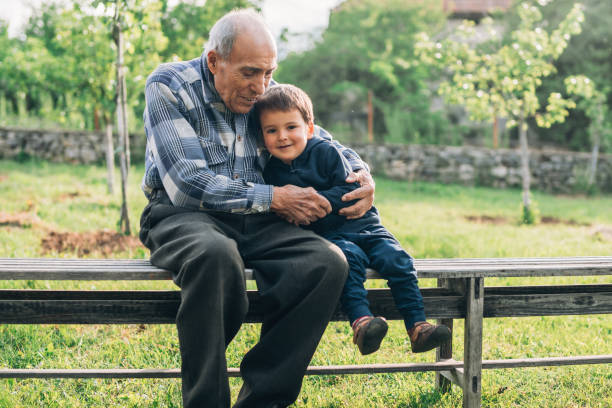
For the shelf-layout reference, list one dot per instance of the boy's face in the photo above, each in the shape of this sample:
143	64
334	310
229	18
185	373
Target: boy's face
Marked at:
285	133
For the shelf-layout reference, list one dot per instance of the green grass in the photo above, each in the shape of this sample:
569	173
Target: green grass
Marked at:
429	220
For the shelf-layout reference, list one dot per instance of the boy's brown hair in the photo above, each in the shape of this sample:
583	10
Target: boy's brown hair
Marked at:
285	98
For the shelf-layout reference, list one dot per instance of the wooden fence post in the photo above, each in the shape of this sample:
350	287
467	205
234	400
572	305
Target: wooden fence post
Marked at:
445	351
472	356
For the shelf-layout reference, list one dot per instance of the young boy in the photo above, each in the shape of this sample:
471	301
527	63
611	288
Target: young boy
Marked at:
302	159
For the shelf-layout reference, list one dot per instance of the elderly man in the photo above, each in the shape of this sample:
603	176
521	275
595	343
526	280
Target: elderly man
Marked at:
210	215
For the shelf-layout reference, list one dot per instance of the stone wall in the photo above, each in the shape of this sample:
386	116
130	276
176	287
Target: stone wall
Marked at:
552	171
64	146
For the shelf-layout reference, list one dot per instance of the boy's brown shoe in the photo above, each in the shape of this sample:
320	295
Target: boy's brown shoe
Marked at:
425	336
369	333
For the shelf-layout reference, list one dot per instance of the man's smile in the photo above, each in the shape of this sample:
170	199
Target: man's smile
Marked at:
249	100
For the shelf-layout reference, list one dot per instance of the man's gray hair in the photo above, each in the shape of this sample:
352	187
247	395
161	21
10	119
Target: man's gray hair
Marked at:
223	34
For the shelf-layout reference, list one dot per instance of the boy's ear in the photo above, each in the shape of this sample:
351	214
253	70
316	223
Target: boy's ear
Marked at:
310	130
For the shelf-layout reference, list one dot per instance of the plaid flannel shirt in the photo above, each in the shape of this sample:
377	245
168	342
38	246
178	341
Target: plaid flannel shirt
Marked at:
203	155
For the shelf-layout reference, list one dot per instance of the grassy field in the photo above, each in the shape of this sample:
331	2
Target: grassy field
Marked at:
39	201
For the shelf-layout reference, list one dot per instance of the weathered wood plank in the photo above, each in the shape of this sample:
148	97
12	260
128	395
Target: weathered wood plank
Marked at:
125	307
48	306
445	351
453	376
491	291
418	262
232	372
548	304
135	269
442	366
472	356
547	361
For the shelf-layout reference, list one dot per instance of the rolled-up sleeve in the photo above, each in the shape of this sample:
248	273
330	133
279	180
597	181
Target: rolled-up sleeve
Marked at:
183	167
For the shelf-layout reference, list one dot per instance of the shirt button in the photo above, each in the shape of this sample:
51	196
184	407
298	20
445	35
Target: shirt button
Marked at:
239	138
236	176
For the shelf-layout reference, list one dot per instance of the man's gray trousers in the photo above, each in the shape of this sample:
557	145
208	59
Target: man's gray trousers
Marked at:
299	276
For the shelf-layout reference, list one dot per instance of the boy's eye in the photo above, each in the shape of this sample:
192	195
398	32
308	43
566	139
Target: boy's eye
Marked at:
270	131
292	127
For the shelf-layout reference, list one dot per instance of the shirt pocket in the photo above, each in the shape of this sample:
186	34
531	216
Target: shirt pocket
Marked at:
216	156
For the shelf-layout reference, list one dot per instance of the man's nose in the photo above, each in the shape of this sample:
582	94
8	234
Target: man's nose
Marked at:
259	85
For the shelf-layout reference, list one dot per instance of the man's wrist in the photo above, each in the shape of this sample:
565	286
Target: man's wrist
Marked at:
262	197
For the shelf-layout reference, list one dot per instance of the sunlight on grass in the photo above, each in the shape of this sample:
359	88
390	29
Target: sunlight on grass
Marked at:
430	220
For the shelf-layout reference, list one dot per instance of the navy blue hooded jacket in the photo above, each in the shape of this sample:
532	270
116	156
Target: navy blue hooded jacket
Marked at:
323	168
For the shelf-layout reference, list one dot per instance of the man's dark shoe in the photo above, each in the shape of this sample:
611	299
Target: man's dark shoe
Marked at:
425	336
369	333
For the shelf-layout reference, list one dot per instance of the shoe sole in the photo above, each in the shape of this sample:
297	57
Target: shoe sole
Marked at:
436	339
376	332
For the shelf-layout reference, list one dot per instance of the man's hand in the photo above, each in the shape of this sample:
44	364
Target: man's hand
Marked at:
365	195
299	206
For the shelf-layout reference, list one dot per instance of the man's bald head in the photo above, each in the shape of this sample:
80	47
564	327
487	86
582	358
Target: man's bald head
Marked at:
241	55
236	23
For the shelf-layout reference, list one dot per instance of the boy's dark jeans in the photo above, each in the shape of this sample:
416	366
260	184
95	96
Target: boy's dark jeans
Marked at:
377	248
299	276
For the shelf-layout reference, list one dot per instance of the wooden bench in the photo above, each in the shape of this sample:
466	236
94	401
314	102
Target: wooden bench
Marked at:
460	294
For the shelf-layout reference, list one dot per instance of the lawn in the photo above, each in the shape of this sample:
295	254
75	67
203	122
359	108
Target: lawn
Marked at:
41	201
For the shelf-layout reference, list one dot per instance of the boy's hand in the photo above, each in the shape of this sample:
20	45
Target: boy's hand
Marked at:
299	206
365	195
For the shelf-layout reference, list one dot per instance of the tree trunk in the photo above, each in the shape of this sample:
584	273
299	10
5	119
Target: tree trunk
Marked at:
594	155
595	151
124	221
96	119
3	109
110	157
495	132
524	161
370	117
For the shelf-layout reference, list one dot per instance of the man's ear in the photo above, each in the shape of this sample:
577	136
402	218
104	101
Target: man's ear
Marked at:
310	130
212	59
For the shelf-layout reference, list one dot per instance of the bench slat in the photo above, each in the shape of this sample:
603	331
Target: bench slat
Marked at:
97	307
133	307
427	261
312	370
140	269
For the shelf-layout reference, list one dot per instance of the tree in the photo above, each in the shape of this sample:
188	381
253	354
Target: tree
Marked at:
501	79
587	54
82	43
31	75
8	72
369	46
188	23
593	102
121	94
